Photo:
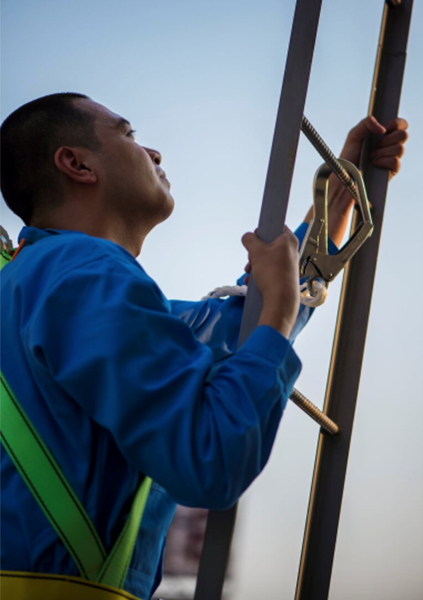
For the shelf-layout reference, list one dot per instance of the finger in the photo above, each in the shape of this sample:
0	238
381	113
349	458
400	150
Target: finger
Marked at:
397	150
247	268
396	124
367	125
399	136
251	241
392	163
291	235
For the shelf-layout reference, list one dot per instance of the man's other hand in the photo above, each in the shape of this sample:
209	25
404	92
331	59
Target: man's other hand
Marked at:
390	148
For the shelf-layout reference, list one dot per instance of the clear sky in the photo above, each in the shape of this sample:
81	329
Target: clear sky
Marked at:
200	81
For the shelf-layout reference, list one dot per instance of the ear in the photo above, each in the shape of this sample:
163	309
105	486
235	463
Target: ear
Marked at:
75	163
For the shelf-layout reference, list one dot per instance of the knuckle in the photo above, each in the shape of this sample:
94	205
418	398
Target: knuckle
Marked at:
294	242
293	238
403	135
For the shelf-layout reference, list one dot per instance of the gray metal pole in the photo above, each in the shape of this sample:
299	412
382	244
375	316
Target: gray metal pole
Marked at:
344	374
220	524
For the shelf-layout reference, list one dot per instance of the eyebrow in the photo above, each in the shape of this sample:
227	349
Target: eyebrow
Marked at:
122	123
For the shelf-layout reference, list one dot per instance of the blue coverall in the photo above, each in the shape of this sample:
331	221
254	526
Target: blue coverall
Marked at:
119	382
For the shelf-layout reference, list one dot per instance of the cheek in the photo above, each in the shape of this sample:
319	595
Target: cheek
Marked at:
145	166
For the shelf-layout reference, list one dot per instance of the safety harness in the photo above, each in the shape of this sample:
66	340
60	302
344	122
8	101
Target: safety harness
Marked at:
101	576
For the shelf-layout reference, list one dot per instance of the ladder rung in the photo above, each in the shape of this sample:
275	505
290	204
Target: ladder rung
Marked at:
315	413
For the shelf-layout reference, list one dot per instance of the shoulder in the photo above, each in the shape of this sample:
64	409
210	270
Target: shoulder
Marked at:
54	260
71	249
61	252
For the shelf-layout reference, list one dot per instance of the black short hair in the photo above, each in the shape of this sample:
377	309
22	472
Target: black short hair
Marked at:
30	181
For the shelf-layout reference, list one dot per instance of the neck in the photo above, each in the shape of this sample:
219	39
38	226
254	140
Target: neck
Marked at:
130	236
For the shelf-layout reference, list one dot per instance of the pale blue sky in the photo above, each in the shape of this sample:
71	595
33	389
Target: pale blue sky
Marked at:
200	81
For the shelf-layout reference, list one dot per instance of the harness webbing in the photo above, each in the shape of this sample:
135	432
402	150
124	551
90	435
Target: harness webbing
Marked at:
16	585
117	563
54	495
57	499
5	258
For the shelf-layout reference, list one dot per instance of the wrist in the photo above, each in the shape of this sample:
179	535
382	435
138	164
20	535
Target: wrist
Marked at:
274	317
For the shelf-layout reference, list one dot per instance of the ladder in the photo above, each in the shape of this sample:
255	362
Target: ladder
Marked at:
325	501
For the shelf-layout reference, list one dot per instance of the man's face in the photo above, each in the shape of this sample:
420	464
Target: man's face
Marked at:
133	183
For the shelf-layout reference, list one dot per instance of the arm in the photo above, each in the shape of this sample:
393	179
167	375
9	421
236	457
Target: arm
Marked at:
387	156
137	371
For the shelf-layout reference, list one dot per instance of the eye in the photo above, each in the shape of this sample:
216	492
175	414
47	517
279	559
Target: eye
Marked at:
131	133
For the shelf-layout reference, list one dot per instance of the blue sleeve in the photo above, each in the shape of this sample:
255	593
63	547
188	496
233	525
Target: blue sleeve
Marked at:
106	335
217	322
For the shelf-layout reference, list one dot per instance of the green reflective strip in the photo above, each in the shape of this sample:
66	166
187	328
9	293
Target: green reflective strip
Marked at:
5	258
116	566
50	488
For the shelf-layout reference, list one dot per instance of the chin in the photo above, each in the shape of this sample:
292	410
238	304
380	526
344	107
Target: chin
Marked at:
162	213
167	207
155	209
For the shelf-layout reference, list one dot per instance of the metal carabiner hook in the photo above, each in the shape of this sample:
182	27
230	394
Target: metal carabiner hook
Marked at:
315	262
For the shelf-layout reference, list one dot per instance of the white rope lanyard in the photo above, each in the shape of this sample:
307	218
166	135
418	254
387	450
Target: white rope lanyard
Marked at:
314	297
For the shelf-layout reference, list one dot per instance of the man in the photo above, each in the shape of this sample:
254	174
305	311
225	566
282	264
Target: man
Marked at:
119	382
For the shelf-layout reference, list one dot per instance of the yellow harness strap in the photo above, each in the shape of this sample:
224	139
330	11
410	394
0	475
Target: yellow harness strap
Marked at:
15	585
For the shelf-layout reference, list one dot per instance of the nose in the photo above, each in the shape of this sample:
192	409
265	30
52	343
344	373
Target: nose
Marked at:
155	155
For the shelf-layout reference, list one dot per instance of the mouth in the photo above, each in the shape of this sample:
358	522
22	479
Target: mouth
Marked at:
162	176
